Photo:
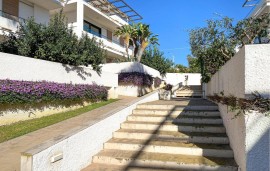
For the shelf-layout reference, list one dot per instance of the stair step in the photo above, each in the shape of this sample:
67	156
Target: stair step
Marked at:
171	147
168	126
189	137
105	167
190	93
176	112
145	159
149	118
177	107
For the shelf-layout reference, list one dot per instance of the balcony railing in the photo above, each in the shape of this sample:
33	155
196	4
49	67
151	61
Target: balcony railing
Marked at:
102	36
12	17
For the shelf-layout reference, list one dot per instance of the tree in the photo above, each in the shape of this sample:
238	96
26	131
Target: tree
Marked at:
212	45
249	30
154	58
193	64
216	43
126	32
137	35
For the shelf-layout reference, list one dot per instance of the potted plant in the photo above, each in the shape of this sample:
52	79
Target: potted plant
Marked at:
166	92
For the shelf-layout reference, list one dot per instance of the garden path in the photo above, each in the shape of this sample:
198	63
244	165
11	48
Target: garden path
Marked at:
11	150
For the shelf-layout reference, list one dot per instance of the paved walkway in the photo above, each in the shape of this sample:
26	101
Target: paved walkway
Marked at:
10	151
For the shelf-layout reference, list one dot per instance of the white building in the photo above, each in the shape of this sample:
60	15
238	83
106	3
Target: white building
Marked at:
97	18
258	7
12	11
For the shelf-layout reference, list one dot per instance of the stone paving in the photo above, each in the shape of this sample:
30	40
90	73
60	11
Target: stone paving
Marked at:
11	150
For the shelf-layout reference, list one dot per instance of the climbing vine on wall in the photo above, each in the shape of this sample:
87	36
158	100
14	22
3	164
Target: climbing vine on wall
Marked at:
244	105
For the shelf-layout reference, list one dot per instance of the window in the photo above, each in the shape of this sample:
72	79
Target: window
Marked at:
91	28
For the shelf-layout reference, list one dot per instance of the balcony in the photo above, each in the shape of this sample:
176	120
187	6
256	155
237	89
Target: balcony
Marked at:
259	7
9	22
113	47
49	4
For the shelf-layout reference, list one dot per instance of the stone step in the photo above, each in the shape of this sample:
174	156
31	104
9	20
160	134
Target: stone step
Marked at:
171	147
168	126
188	94
205	138
106	167
191	120
176	112
169	161
177	107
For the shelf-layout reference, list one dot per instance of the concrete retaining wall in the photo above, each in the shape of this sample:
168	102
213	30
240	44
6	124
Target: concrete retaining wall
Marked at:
16	67
246	72
130	67
77	147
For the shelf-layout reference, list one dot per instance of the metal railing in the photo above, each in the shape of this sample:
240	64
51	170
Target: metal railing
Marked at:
101	36
12	17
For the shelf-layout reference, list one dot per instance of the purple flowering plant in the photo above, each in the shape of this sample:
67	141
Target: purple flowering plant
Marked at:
135	78
17	92
157	82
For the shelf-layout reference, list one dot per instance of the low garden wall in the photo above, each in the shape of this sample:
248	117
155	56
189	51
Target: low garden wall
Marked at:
247	72
134	78
24	100
16	67
75	149
176	78
130	67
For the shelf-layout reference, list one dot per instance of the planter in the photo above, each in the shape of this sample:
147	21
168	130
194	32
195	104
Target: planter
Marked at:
165	94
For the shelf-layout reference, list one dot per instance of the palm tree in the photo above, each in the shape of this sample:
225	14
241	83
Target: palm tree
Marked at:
125	32
146	37
139	35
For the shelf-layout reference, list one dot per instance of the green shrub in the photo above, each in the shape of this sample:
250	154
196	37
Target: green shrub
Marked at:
55	42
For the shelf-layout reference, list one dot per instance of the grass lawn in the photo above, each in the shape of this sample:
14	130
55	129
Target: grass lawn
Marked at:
8	132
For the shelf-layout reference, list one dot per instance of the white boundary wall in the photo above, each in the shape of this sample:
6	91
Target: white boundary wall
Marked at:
16	67
176	78
130	67
79	146
249	135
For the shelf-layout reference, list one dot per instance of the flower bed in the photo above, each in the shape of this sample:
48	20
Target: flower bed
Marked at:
21	92
136	79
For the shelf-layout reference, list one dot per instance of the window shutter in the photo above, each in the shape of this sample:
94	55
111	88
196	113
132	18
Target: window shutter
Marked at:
11	7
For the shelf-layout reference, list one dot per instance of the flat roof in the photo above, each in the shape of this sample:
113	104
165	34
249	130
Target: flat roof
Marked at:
117	7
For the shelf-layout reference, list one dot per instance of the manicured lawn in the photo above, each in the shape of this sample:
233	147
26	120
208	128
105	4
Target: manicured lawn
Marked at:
21	128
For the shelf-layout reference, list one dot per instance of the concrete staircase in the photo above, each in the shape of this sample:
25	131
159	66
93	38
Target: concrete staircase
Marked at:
167	136
189	91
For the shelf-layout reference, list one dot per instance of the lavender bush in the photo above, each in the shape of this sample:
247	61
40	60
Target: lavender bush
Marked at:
14	92
136	79
157	82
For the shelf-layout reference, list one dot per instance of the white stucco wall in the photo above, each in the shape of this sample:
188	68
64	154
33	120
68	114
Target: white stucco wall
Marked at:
23	68
176	78
41	15
8	24
26	11
246	72
257	72
79	146
130	67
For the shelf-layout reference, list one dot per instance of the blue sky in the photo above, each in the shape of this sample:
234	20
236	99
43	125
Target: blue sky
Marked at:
171	20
